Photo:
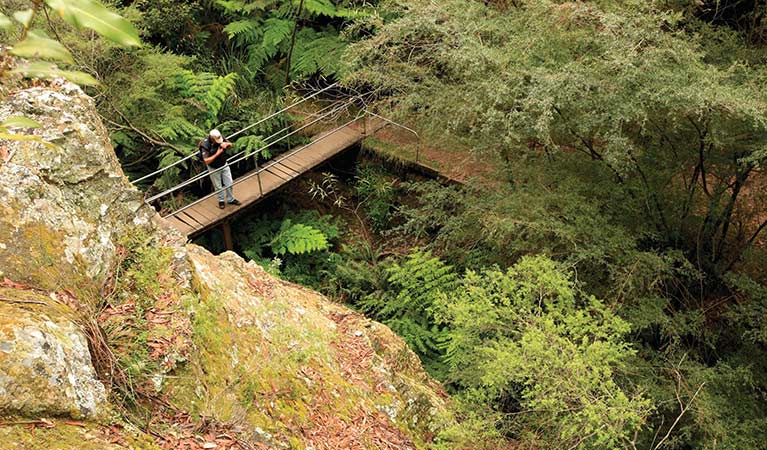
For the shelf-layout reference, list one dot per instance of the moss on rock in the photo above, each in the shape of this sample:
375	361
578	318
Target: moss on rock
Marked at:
283	359
71	436
45	364
63	208
219	338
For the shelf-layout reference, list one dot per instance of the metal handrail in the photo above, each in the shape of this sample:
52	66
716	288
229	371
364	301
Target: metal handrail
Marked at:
367	111
205	173
283	110
260	121
284	129
418	136
271	163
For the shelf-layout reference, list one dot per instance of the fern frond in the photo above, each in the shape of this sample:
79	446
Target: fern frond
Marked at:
193	85
175	127
257	56
169	156
318	53
244	32
184	82
217	93
297	239
419	283
202	84
274	34
249	144
171	176
275	31
320	8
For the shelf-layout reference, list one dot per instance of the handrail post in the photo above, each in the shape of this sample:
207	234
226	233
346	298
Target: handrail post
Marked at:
258	176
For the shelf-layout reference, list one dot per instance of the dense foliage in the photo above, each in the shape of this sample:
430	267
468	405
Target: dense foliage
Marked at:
223	64
607	290
633	135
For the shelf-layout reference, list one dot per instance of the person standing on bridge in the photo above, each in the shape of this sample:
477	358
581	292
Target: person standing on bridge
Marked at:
212	153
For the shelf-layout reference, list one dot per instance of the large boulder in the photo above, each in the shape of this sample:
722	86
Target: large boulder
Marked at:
63	207
227	347
298	368
45	364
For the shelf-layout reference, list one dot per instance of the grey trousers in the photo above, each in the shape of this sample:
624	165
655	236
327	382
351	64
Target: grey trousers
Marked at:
222	177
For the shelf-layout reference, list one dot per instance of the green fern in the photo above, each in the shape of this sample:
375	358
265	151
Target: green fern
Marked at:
175	127
249	144
276	33
297	239
265	28
220	89
244	32
321	8
205	90
317	53
169	156
419	283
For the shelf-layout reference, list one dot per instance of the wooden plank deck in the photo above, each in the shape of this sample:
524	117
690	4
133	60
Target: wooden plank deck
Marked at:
274	174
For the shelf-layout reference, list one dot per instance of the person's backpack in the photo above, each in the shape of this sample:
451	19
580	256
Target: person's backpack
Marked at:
199	151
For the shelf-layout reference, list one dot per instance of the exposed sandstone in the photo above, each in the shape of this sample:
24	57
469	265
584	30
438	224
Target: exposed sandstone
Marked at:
277	364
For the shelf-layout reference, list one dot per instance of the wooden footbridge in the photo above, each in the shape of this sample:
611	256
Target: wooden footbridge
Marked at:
252	187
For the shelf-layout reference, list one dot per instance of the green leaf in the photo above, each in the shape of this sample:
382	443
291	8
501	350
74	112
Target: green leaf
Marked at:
246	26
297	239
92	14
320	7
24	17
38	45
5	22
25	137
19	122
41	69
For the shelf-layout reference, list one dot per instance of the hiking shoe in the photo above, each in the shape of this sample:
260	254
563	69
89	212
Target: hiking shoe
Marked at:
220	205
235	202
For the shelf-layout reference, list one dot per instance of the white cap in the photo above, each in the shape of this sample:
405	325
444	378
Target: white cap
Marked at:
215	136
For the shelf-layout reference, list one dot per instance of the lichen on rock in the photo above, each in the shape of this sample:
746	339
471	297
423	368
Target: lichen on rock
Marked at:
62	208
222	343
295	365
45	363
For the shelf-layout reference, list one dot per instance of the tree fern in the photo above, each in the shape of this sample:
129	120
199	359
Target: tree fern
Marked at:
244	32
205	90
217	93
251	144
418	282
407	306
175	127
320	8
317	53
264	29
275	32
169	156
297	239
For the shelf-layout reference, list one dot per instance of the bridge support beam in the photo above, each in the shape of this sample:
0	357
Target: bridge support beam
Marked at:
227	235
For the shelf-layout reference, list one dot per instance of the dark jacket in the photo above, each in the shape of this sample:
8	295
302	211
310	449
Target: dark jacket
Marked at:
209	148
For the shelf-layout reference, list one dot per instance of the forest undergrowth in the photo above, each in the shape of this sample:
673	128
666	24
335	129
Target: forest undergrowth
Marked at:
604	288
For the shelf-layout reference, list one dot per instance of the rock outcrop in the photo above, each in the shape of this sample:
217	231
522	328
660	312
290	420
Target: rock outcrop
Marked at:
45	366
219	343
